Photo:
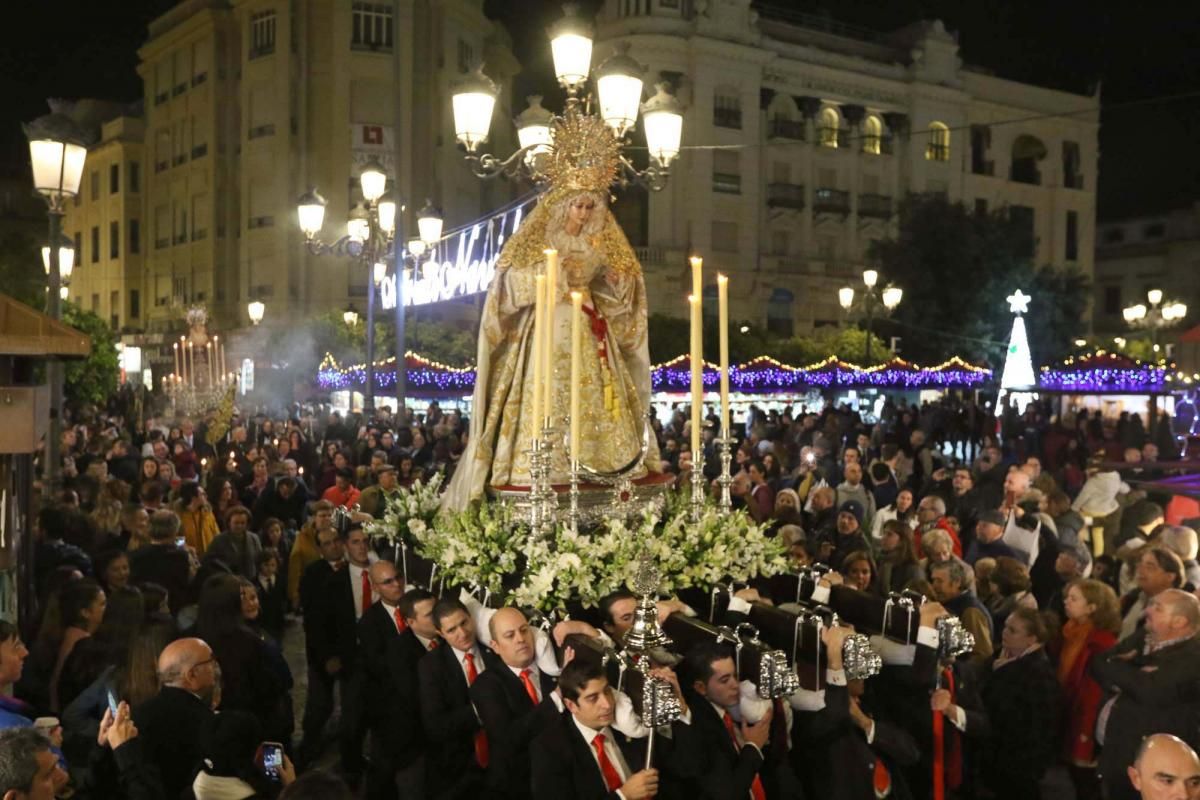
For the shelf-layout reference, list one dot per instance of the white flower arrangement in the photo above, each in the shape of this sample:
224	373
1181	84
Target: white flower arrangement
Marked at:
409	512
479	547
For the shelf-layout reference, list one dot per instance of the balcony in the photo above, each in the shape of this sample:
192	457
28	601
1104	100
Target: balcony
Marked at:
727	183
725	117
1072	179
875	205
935	151
833	137
785	195
788	129
831	201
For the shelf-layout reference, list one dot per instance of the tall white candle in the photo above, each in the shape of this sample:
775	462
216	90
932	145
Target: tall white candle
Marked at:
548	351
539	325
723	337
576	367
696	357
175	348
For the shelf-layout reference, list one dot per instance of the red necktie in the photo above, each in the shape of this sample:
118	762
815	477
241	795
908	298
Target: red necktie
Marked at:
530	689
947	755
756	788
433	643
481	743
366	592
882	778
401	625
612	778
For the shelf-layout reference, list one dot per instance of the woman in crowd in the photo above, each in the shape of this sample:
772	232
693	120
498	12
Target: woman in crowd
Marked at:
1011	585
124	615
82	605
1093	617
787	509
1021	694
859	571
939	547
148	472
226	499
903	509
898	565
112	570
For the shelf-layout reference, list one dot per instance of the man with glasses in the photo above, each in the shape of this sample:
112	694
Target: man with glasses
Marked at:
389	708
171	723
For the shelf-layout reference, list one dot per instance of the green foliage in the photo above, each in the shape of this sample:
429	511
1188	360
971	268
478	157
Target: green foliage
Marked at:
94	379
21	273
956	268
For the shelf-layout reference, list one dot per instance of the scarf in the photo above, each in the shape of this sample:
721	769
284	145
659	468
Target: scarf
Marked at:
1074	637
1007	657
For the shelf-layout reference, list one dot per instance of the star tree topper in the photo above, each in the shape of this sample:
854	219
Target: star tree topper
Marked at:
1018	302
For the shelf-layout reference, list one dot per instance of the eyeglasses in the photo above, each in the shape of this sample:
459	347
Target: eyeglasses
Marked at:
389	581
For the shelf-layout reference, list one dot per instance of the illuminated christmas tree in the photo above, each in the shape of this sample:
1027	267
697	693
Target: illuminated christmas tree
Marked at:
1018	377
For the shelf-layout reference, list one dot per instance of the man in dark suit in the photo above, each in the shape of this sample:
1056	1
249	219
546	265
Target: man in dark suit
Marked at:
171	724
321	634
458	747
581	756
515	701
722	759
163	561
1152	687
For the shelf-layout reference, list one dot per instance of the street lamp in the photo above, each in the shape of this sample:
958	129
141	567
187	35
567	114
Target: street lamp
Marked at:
1155	317
370	236
873	298
429	224
350	316
617	102
57	152
255	309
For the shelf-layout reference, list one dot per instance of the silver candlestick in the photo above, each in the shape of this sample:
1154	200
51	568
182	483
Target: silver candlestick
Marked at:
725	480
699	489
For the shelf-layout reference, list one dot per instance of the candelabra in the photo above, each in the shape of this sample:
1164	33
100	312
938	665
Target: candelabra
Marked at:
725	480
699	490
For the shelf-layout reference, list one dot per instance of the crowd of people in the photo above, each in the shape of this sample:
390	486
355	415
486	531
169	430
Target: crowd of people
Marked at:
173	564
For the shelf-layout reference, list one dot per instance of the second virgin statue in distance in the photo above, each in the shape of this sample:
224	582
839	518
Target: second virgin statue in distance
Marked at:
594	258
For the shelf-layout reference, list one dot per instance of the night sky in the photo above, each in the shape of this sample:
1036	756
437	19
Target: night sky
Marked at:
1143	55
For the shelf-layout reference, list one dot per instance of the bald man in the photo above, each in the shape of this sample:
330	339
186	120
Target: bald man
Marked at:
171	723
1166	769
1152	686
515	701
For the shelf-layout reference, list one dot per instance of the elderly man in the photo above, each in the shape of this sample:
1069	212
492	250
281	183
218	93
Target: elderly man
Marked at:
1166	769
238	546
848	538
1152	686
949	579
171	723
852	488
989	539
374	499
931	514
516	701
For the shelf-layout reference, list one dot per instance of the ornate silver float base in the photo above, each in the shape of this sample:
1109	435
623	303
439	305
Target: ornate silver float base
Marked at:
596	503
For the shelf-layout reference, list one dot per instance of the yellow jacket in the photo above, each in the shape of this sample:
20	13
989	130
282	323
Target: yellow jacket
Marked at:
304	552
199	528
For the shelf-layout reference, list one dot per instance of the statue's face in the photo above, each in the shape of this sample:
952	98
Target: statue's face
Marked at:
579	212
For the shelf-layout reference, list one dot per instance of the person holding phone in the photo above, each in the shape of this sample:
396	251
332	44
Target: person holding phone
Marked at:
238	763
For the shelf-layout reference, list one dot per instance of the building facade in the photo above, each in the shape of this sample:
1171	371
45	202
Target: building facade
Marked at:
805	136
1138	254
251	102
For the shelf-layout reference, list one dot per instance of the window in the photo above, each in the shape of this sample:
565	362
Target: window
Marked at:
466	56
1112	300
162	227
114	309
162	149
779	312
727	109
114	179
1072	166
78	247
95	244
95	184
262	34
181	232
981	140
938	148
135	176
724	236
135	304
135	237
114	240
371	25
828	130
1027	151
727	176
872	136
1072	236
95	302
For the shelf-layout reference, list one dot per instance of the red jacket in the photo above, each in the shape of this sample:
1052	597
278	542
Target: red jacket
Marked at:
1082	698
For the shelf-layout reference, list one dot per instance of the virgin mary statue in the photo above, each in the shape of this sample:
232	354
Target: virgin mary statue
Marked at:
594	258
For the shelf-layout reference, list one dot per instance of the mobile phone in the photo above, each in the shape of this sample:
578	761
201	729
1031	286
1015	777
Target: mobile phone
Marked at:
112	703
272	759
180	541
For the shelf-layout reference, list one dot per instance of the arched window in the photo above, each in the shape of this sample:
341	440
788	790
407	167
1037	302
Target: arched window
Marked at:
829	127
872	135
779	312
938	148
1027	151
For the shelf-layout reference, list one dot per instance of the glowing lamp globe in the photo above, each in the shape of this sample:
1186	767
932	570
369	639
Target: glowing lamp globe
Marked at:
662	119
429	224
387	214
473	101
571	46
619	85
255	309
373	180
892	296
846	297
311	211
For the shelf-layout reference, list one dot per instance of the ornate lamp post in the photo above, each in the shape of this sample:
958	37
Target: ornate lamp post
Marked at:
57	151
617	99
873	299
1157	316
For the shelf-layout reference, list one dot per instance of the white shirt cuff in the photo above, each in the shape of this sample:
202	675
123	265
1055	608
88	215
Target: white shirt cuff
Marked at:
557	700
738	606
871	733
820	594
928	637
835	677
959	719
625	719
543	645
807	700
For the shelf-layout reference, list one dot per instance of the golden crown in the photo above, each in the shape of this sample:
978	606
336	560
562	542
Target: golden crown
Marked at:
586	154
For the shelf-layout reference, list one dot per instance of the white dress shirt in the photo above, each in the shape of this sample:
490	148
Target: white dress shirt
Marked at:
615	756
477	658
356	579
391	612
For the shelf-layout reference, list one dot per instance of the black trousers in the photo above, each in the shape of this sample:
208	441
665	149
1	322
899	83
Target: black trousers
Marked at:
318	708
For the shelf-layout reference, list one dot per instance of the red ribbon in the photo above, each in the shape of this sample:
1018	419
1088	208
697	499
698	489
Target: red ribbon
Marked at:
599	323
945	770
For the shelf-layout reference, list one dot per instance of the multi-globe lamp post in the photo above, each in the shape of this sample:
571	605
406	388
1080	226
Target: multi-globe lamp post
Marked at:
874	298
370	237
57	152
617	100
1157	316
